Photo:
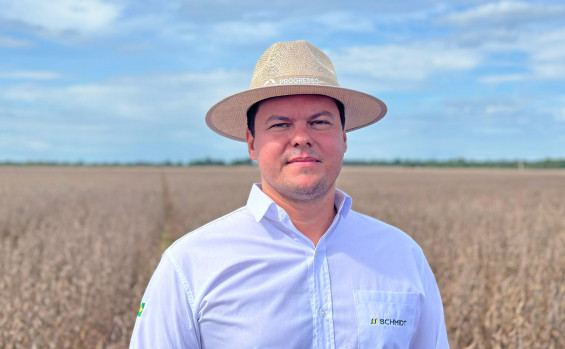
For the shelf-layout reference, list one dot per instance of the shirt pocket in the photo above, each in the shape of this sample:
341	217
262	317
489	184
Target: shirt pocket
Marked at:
385	319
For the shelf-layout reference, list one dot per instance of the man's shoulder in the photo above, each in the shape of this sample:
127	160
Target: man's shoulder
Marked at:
369	221
233	223
372	228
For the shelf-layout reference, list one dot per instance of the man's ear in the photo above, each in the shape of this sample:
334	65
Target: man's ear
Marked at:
344	142
250	145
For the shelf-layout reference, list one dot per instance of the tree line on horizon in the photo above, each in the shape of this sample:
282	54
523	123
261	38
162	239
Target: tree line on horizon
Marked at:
453	163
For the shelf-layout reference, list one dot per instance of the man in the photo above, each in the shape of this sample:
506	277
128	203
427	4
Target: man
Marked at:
295	267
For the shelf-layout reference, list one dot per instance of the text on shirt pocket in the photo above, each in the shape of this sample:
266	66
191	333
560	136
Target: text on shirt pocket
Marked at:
385	319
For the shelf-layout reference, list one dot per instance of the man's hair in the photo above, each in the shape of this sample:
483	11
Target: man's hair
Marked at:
252	111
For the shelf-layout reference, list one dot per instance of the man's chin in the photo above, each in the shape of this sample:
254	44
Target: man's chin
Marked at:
307	191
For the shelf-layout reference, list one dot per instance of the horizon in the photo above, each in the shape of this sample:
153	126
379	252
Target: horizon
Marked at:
124	81
452	162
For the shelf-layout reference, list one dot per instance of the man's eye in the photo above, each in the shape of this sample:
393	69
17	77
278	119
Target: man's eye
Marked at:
279	125
320	122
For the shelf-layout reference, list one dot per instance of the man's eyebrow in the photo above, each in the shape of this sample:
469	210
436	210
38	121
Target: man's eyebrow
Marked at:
277	118
323	113
286	118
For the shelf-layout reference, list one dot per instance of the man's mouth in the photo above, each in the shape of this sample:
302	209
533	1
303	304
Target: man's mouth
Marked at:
302	159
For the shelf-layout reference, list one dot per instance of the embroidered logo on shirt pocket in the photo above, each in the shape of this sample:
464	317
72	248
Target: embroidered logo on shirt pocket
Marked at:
385	319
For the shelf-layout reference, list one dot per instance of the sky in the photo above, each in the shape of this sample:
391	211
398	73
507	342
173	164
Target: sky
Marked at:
126	80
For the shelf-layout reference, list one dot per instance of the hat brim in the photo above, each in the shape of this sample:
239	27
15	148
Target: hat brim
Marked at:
229	116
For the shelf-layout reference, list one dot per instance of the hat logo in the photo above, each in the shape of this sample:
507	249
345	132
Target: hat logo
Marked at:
270	82
300	80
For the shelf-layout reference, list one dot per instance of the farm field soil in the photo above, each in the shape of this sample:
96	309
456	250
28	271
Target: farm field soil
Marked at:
79	244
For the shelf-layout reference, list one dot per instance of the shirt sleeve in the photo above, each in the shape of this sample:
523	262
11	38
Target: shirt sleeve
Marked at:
165	318
431	331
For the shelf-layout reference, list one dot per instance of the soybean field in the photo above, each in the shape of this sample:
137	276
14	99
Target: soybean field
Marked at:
79	244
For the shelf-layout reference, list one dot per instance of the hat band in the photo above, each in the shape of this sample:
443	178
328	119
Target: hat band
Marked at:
296	80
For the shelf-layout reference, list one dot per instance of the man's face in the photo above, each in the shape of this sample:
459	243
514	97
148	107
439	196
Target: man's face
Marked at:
299	145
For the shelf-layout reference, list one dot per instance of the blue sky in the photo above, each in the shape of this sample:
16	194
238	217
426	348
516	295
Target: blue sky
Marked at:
126	80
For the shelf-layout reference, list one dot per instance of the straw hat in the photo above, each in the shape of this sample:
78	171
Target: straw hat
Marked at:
292	68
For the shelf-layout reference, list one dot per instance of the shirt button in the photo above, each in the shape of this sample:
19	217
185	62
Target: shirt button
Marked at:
323	313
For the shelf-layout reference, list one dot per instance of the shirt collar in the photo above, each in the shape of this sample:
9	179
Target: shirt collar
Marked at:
262	205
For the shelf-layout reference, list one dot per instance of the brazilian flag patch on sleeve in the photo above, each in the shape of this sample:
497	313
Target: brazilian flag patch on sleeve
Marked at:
141	307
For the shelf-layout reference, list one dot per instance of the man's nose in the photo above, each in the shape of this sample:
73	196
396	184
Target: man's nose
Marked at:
301	136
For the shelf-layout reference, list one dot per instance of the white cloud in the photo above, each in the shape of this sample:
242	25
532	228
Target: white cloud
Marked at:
244	31
155	98
29	75
559	115
414	62
504	78
548	54
25	143
489	108
36	145
498	131
344	22
62	16
262	26
503	108
130	115
544	56
505	13
9	42
549	46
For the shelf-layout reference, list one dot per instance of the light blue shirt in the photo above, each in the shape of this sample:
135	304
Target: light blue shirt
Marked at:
251	280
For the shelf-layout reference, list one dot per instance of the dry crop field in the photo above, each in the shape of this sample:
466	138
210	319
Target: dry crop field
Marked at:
78	245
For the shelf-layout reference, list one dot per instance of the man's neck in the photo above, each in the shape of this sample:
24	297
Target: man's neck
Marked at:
312	218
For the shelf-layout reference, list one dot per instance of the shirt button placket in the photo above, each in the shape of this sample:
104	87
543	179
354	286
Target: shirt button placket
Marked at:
325	321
